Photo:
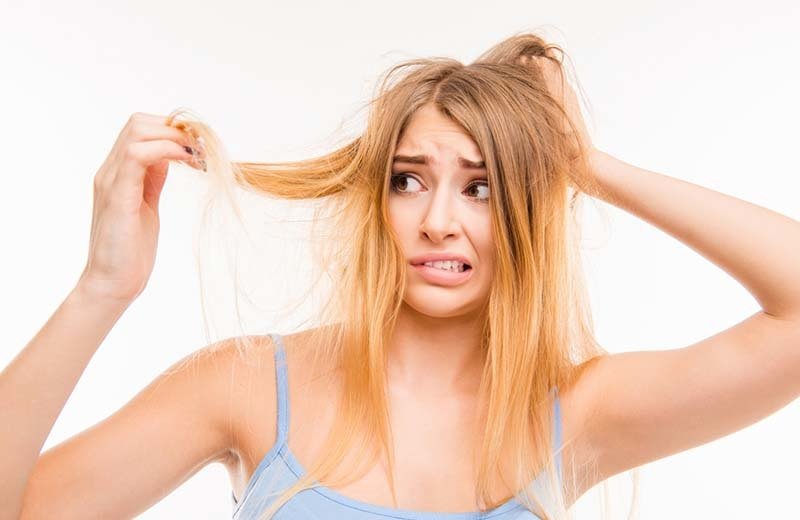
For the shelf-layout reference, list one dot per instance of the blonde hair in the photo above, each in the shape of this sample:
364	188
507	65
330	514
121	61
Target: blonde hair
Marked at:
538	329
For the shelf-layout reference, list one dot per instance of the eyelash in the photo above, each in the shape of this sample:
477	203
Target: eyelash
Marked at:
396	190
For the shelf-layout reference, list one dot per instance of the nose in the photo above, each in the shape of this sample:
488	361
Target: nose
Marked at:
439	221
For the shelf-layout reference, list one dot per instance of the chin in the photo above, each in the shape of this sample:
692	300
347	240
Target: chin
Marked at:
439	305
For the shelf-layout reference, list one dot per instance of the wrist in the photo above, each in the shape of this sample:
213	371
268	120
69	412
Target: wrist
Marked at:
88	294
608	172
588	176
596	159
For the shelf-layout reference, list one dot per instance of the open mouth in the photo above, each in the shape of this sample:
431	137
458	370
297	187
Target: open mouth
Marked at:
450	267
444	276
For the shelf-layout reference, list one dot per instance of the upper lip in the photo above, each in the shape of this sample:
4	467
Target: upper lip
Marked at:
439	257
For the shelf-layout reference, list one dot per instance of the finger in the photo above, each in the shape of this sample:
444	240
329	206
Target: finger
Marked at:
141	125
153	118
139	156
138	119
183	138
186	127
147	131
143	129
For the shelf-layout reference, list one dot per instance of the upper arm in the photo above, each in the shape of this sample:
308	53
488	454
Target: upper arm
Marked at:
129	461
651	404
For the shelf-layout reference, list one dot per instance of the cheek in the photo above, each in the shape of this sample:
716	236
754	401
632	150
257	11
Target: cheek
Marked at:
484	235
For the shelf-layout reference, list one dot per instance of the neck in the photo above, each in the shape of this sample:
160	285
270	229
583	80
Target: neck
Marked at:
435	357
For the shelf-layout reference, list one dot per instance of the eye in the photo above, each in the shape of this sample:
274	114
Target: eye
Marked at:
397	185
481	184
394	183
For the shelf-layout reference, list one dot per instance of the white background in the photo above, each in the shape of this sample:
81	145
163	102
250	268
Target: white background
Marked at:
706	93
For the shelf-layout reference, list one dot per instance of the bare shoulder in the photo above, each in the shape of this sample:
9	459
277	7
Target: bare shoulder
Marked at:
248	370
223	373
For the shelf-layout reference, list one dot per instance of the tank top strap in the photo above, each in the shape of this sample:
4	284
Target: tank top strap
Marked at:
282	388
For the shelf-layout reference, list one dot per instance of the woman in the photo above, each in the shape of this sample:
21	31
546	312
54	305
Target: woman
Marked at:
434	388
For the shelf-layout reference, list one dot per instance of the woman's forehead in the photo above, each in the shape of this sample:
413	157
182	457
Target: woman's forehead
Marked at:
431	137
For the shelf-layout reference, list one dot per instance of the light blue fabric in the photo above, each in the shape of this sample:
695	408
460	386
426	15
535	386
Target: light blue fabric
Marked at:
279	468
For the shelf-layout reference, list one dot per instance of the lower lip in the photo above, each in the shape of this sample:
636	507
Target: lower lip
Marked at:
442	277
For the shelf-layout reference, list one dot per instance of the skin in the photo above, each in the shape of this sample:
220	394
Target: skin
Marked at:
626	410
434	358
441	207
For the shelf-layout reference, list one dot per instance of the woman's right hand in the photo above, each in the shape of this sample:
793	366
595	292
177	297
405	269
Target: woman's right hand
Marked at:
125	223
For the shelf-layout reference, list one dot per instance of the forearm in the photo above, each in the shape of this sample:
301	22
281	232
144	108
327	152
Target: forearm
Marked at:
36	384
757	246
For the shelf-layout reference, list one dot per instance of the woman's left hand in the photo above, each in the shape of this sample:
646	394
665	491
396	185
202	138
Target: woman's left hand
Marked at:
584	174
563	92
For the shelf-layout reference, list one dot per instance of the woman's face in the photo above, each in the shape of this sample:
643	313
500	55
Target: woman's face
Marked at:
442	207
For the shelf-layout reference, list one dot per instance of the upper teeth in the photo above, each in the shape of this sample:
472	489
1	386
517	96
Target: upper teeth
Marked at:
449	265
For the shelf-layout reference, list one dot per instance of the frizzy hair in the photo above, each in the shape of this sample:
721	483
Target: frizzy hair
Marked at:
537	328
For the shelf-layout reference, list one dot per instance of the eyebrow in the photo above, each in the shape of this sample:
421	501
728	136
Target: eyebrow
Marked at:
425	159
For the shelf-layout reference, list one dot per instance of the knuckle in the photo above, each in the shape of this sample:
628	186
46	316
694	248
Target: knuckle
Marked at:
132	119
132	152
137	129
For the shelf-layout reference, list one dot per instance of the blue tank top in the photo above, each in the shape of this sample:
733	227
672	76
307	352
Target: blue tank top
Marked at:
279	469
